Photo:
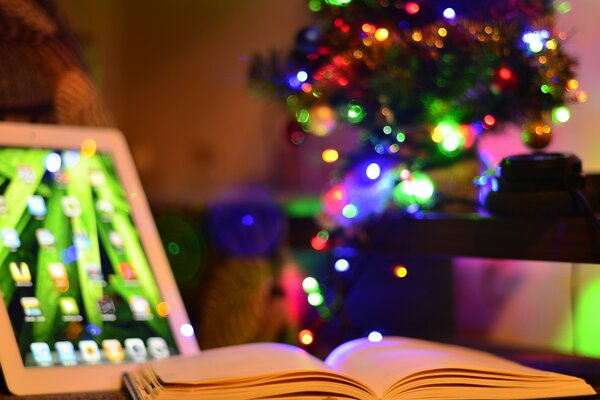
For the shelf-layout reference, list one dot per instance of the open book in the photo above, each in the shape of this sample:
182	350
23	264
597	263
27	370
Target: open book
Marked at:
394	368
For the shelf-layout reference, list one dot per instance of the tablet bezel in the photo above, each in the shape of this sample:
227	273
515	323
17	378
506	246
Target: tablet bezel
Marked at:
23	380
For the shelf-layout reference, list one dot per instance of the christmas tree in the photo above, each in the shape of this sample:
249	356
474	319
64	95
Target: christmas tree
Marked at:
420	81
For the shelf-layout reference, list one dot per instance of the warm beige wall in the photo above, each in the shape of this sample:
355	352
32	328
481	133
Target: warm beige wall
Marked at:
175	76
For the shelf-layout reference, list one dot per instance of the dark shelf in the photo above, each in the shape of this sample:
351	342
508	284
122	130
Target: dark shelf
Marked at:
572	239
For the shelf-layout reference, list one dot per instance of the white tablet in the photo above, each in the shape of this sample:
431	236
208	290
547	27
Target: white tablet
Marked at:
86	292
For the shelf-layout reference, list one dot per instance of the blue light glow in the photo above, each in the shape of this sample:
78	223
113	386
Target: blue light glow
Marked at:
536	40
294	82
342	265
71	158
449	13
373	171
302	76
53	162
248	220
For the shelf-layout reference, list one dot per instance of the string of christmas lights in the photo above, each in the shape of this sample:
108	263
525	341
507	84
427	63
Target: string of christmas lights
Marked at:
420	81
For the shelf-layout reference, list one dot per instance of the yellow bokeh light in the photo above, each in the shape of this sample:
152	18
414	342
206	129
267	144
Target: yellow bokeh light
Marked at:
437	135
572	84
368	28
442	32
400	271
88	148
552	44
382	34
306	337
358	54
582	96
330	155
417	36
163	309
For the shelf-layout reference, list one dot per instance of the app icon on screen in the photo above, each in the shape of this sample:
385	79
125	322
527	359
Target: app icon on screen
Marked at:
105	209
71	206
66	353
113	350
68	306
3	205
158	348
140	308
71	158
44	237
81	240
41	353
31	306
25	174
58	273
61	178
135	349
10	238
127	271
94	272
97	178
107	308
116	240
20	273
89	351
36	206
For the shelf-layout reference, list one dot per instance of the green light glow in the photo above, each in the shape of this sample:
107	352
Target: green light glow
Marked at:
303	207
545	88
323	235
302	116
350	211
451	140
338	3
315	299
561	115
387	129
400	137
564	7
315	5
173	248
291	100
310	284
419	190
587	324
355	113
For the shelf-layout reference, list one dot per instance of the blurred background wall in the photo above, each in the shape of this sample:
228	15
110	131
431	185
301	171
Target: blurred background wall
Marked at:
174	76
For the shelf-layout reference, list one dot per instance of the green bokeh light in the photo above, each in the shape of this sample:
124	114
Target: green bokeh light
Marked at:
315	5
561	114
355	113
338	3
350	211
315	299
419	190
173	248
302	116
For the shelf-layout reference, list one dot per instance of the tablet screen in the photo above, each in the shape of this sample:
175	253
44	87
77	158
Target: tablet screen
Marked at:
73	272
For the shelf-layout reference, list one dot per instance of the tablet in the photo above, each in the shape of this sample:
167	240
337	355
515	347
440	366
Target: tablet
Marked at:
86	292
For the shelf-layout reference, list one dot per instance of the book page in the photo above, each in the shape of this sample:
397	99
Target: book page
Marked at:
383	365
236	362
245	372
